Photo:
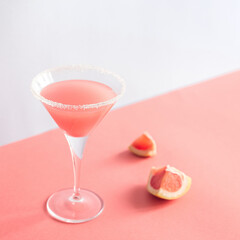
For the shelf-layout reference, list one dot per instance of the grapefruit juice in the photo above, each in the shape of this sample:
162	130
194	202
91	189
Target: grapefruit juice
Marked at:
77	122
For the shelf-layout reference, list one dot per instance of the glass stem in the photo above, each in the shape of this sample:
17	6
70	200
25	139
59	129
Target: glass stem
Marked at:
76	145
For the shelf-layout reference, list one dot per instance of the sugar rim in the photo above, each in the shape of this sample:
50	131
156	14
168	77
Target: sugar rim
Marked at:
81	68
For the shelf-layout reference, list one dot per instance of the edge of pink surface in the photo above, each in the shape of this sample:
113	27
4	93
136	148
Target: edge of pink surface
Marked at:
196	130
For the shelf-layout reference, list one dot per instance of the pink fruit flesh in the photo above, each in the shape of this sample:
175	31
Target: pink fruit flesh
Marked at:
143	143
171	182
166	180
157	178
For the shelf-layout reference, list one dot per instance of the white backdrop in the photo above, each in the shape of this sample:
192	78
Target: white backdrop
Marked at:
156	45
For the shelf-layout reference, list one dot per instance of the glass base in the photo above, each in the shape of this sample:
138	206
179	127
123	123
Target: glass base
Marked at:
63	207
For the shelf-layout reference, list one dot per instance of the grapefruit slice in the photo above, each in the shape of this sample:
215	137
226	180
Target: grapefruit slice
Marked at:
168	183
144	146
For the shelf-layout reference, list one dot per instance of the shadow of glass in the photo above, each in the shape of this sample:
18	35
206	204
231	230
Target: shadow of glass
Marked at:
14	223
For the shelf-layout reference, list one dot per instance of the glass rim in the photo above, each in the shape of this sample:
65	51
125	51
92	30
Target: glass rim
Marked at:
81	68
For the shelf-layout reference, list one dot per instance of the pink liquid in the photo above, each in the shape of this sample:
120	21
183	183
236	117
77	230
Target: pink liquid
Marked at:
77	123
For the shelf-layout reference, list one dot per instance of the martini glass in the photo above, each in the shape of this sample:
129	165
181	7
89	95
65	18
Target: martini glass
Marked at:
77	97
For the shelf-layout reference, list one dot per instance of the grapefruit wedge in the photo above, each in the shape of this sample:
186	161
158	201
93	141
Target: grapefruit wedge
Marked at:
144	146
168	183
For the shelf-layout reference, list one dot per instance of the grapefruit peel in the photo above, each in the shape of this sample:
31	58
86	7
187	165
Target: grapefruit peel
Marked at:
168	183
144	146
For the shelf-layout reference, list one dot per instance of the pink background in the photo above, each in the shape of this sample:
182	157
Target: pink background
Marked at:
196	130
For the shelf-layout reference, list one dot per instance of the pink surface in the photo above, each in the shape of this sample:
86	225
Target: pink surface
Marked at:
197	129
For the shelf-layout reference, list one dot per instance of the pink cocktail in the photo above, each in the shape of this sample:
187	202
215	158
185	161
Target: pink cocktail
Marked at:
77	97
78	92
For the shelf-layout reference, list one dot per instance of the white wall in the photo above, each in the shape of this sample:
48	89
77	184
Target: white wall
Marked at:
156	46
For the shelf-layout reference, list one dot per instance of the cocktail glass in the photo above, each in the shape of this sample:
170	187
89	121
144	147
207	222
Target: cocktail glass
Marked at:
77	117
